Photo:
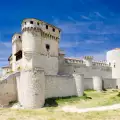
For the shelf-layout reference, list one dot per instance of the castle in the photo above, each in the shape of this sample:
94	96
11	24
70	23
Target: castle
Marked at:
38	68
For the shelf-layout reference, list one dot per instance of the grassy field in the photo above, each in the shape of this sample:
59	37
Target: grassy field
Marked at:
45	114
90	99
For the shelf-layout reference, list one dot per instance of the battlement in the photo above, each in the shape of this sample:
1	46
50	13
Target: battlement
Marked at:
38	25
16	36
88	57
100	63
75	61
79	61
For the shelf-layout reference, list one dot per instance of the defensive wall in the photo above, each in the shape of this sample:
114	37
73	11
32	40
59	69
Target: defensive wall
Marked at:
32	87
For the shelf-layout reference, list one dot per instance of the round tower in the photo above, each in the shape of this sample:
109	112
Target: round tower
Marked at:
40	56
40	45
16	46
113	59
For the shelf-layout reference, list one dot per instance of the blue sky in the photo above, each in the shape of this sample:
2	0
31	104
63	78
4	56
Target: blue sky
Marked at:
89	27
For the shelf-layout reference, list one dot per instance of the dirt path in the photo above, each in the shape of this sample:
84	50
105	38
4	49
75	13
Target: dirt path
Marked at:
102	108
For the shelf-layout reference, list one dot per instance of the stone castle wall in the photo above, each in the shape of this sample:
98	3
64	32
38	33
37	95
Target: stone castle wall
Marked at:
32	87
87	71
59	86
8	90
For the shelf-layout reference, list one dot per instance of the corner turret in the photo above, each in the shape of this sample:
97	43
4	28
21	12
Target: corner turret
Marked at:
88	60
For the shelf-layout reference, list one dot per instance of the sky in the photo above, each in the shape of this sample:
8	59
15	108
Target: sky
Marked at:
89	27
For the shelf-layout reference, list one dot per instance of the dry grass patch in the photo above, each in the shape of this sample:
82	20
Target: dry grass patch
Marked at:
44	114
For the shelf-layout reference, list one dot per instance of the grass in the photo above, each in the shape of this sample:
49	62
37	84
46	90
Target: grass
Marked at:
44	114
90	99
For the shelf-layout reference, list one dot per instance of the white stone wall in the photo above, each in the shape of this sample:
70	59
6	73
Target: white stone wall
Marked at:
16	46
8	90
97	83
109	83
59	86
34	49
79	82
19	88
88	83
106	83
87	71
113	58
18	64
32	88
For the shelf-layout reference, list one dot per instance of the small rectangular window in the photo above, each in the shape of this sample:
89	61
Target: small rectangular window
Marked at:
53	29
46	26
18	55
37	23
31	22
114	65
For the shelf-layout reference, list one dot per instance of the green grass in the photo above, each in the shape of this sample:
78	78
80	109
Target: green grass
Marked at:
90	99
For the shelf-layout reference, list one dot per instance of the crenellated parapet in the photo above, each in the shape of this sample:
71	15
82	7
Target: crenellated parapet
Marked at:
46	30
88	57
100	63
74	61
95	64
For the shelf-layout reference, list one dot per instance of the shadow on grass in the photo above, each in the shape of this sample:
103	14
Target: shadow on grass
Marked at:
104	89
53	102
118	94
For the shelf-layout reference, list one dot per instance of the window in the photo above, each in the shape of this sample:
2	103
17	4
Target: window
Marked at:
53	29
114	65
47	47
46	26
37	23
31	22
18	55
25	23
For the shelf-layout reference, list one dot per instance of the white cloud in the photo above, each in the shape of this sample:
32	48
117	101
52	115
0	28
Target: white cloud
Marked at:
94	41
69	44
84	17
8	44
99	15
5	51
